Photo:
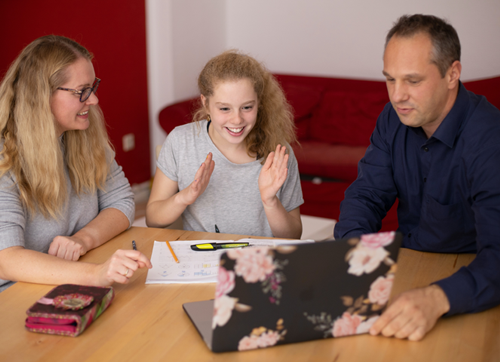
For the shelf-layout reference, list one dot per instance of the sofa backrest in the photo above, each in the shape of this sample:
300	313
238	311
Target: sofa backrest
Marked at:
177	114
334	110
331	110
490	88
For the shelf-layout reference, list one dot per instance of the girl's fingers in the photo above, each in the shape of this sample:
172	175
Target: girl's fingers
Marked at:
279	156
200	171
211	169
269	162
206	168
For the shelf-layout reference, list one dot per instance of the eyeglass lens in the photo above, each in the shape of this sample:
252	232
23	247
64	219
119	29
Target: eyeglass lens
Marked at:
88	91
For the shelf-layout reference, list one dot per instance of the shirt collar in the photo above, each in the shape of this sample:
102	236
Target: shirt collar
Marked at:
449	129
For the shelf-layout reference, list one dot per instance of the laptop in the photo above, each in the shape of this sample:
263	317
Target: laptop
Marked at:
293	293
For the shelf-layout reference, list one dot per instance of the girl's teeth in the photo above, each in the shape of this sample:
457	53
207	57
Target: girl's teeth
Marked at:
235	130
83	113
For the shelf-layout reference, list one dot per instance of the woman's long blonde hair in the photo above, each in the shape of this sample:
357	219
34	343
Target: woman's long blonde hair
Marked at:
31	149
275	124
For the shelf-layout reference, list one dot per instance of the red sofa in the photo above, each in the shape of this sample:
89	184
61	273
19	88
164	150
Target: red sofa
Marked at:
334	118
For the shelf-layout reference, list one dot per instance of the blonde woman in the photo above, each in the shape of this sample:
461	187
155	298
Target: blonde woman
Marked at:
61	191
247	182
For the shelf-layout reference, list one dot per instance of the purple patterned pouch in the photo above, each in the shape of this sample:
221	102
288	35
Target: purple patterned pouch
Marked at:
68	309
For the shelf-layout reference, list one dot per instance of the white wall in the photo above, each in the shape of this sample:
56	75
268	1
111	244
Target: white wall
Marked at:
342	38
182	35
346	38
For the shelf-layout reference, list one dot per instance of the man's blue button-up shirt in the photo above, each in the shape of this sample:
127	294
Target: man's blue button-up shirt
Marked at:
448	188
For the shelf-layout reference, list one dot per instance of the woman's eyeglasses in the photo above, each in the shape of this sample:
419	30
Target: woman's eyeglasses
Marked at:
85	92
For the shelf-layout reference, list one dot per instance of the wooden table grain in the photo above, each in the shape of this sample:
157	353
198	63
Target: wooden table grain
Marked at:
147	322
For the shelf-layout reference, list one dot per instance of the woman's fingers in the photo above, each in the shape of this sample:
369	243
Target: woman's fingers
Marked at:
122	265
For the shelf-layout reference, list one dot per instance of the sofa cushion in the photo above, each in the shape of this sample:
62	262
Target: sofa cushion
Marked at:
332	161
323	200
490	88
304	99
347	118
177	114
302	127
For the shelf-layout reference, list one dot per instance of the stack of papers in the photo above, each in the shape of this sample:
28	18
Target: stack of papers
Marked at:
195	266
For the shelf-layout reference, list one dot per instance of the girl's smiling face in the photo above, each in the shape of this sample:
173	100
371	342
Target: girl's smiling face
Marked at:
233	109
69	112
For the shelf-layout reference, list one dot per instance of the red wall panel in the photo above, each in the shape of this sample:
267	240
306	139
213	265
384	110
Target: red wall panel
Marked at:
115	32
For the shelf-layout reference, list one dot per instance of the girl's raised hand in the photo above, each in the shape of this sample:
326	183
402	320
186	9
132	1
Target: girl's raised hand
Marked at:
273	175
200	183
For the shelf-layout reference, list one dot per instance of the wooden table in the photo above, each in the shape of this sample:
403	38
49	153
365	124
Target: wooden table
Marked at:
147	322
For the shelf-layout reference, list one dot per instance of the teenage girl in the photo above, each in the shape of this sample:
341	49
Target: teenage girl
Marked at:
232	170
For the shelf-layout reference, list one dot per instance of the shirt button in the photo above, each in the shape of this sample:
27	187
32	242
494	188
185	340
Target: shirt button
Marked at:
426	149
425	179
409	235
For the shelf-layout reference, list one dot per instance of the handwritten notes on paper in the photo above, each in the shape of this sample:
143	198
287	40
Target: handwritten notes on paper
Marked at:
194	266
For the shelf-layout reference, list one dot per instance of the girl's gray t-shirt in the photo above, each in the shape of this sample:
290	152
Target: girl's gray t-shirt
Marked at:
232	198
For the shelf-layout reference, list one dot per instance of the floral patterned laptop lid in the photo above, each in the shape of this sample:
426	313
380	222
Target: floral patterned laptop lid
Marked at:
272	296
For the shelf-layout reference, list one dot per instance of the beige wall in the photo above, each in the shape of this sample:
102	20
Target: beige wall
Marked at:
346	38
342	38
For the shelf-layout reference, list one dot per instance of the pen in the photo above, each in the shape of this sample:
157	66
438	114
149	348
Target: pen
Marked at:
172	252
133	245
217	246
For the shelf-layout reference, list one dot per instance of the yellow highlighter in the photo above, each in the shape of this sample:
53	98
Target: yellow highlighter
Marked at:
217	246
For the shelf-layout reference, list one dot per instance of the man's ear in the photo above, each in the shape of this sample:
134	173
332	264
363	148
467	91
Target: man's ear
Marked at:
454	73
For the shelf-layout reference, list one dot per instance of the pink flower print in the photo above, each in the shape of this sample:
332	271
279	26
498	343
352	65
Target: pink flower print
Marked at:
380	290
236	253
247	343
223	309
267	339
253	264
377	240
365	326
365	260
346	325
225	282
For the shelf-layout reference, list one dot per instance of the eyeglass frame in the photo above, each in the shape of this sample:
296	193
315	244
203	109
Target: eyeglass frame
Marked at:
93	89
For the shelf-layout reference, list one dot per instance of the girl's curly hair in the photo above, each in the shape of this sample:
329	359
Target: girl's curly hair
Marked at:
275	124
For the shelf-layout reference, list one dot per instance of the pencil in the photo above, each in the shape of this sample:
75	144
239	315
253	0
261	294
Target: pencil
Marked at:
172	252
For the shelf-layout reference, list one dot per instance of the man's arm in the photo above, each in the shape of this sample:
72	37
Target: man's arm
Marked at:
374	192
471	289
477	287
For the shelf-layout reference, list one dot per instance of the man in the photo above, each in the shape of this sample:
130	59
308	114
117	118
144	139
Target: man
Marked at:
436	147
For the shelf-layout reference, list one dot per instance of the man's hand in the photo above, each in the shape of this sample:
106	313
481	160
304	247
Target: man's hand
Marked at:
412	314
67	247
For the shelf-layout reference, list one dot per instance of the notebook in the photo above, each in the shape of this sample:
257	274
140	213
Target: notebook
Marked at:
293	293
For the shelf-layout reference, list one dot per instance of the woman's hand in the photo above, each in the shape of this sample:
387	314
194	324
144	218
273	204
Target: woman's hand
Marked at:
273	175
200	183
121	267
67	247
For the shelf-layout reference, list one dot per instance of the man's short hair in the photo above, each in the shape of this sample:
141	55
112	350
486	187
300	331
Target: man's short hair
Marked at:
443	36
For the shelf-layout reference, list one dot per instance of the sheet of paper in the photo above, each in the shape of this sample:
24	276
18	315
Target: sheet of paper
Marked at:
194	266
